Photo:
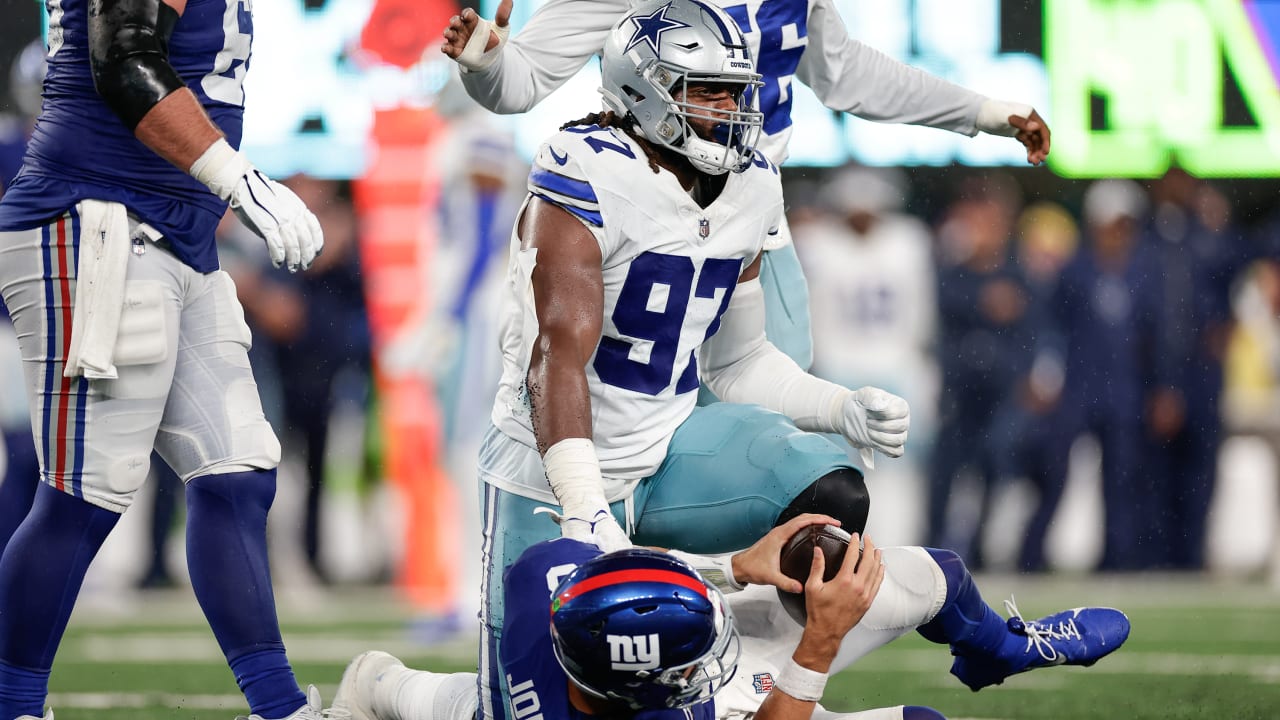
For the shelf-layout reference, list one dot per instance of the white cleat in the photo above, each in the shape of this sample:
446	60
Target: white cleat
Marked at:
354	699
310	711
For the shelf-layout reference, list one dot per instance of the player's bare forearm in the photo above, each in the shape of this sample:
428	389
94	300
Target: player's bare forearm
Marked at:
568	293
177	129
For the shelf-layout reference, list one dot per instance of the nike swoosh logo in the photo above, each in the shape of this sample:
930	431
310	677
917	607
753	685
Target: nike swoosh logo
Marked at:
560	159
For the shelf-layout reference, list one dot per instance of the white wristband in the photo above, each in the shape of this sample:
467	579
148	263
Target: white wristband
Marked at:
573	471
800	682
220	168
993	116
716	570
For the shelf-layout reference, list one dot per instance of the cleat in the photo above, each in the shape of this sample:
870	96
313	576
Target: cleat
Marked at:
354	699
48	715
1072	637
310	711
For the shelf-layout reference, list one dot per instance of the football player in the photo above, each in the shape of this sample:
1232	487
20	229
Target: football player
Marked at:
132	338
638	633
634	274
789	39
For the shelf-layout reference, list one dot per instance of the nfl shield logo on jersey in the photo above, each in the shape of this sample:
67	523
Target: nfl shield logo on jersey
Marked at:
763	683
704	227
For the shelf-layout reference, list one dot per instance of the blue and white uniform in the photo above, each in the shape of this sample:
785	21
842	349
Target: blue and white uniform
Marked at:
79	149
529	661
790	40
669	268
184	381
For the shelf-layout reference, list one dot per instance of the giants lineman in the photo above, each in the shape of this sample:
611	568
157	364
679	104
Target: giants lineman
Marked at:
132	338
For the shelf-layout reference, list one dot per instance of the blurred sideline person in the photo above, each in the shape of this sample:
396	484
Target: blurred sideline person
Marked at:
871	280
791	39
1118	347
1204	255
131	338
1025	439
707	655
323	358
986	339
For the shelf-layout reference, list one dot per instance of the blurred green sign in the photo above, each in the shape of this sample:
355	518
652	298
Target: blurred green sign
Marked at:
1139	84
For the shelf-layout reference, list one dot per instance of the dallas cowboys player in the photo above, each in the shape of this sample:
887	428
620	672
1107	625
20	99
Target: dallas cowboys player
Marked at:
638	242
130	335
790	39
624	638
634	274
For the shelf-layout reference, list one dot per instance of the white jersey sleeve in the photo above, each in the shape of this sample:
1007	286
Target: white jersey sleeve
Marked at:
558	177
851	77
558	40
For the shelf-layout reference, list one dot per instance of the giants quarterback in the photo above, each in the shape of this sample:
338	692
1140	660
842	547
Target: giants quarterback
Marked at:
131	337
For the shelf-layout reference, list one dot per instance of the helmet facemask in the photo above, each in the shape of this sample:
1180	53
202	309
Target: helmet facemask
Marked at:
661	50
734	133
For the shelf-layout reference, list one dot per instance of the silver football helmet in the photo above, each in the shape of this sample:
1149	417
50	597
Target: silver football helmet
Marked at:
656	52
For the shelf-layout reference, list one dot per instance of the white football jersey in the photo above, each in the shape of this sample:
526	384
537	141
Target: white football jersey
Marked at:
871	298
669	266
790	40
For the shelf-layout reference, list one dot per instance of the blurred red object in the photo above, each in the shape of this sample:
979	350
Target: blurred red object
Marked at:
399	31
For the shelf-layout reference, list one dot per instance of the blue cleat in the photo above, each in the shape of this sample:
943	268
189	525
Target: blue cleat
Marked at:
1072	637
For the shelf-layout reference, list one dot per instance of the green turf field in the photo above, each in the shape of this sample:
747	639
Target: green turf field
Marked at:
1198	650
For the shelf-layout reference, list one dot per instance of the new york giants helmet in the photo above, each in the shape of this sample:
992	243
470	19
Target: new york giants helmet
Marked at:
659	49
641	627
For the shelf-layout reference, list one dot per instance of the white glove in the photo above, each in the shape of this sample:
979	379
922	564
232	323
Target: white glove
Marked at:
574	474
266	207
876	420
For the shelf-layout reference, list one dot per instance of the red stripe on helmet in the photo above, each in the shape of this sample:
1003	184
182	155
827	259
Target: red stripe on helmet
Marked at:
618	577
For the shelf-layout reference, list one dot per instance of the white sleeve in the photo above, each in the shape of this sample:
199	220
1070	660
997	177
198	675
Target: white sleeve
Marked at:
851	77
739	365
558	40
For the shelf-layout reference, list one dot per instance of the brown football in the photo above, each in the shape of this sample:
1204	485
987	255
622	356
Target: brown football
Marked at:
797	558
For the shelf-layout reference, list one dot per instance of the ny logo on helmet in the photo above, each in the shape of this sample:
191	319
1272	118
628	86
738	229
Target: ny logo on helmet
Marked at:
633	652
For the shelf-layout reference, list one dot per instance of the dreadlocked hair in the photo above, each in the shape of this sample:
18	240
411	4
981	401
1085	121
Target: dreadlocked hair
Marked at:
608	119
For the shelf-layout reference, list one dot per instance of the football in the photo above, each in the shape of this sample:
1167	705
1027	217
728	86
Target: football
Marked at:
797	558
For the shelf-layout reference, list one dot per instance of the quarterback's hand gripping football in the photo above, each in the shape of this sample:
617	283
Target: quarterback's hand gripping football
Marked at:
761	564
266	207
876	420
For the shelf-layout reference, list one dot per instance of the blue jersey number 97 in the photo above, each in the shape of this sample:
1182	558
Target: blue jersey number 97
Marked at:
643	313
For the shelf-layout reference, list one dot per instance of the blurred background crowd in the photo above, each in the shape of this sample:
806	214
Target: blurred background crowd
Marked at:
1092	361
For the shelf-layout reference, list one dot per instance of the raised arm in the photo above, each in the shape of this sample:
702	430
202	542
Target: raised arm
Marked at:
512	77
129	58
854	78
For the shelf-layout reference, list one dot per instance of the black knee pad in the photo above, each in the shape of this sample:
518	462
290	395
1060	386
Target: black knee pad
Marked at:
841	493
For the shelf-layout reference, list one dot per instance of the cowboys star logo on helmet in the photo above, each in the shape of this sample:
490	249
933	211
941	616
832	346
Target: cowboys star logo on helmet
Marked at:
649	28
653	57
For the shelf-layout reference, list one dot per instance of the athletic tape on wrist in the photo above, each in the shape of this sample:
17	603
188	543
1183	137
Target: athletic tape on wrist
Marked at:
473	55
220	168
800	682
573	471
993	116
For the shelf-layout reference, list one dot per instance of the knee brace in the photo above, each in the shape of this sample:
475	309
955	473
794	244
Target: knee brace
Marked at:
841	493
